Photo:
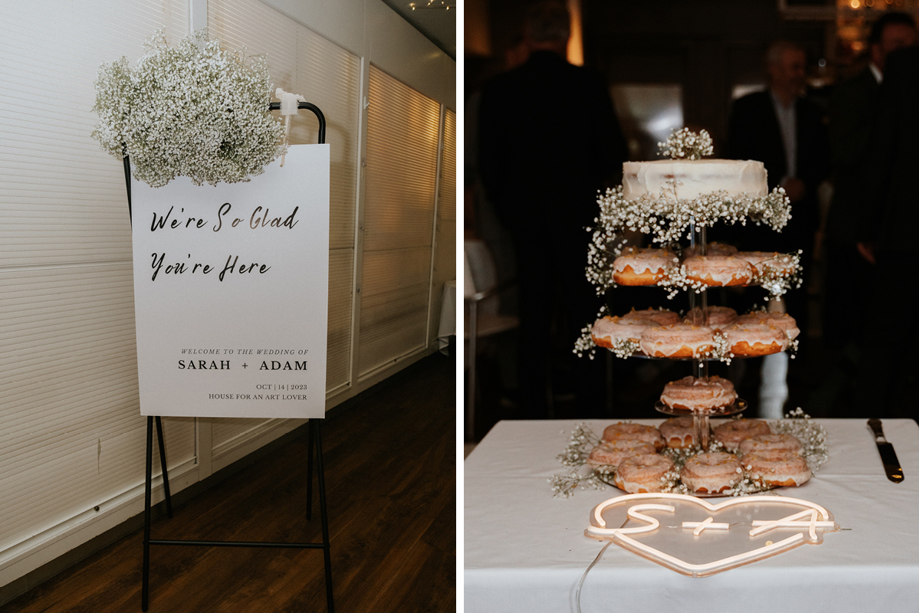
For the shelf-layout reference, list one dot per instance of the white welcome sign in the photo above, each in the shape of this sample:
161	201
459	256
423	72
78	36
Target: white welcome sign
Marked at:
231	292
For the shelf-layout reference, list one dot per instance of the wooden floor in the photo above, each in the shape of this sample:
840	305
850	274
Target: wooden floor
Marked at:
390	476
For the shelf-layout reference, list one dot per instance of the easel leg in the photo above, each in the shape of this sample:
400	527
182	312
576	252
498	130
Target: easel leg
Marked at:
326	549
145	589
309	469
159	437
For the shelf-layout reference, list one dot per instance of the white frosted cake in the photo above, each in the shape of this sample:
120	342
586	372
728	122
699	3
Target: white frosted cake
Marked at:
694	178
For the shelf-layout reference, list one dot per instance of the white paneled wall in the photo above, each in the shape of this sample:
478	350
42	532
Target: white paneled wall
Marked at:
403	130
71	435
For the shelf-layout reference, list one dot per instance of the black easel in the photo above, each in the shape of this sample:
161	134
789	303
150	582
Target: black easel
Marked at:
314	437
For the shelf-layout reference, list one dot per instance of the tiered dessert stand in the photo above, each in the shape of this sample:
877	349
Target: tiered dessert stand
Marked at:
700	417
685	144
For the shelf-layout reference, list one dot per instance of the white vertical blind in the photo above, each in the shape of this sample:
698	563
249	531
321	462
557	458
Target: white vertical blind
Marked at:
445	237
402	135
71	435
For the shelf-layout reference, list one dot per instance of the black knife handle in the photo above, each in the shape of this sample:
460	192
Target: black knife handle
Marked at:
875	425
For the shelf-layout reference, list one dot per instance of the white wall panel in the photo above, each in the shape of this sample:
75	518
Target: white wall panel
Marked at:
61	197
70	428
71	436
402	154
444	264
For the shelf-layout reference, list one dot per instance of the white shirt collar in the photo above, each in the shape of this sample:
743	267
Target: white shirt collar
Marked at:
878	75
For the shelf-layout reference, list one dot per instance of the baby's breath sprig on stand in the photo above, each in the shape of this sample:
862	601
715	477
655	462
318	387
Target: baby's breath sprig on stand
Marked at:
667	219
193	110
782	274
687	145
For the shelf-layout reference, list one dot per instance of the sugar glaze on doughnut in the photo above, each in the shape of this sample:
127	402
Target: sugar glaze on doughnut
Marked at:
732	432
711	472
642	474
677	341
628	431
643	266
778	470
699	393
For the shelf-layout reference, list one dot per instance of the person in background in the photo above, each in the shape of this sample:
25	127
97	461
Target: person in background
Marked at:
785	131
849	263
886	379
548	140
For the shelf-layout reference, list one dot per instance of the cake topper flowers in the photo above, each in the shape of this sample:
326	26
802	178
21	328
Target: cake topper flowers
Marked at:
193	110
687	145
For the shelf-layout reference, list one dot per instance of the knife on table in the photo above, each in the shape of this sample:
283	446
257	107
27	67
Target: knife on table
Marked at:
888	455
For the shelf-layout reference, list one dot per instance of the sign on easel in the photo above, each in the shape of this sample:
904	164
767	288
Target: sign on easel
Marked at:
231	292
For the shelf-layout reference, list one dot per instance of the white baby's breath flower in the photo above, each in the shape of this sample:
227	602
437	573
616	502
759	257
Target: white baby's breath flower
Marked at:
193	110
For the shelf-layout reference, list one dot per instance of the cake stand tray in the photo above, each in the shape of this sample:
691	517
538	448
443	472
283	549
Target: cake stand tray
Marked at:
737	406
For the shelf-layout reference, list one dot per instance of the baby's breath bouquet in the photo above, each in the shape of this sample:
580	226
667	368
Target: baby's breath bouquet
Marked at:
193	110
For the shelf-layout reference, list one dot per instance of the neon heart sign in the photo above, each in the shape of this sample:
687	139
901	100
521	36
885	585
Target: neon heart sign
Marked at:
697	538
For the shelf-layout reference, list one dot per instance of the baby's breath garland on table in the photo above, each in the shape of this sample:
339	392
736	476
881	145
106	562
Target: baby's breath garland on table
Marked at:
193	110
579	475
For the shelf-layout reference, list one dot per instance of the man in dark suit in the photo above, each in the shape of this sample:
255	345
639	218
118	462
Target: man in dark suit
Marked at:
548	140
786	132
849	264
886	383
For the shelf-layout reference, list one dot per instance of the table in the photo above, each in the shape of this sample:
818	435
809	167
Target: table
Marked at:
525	550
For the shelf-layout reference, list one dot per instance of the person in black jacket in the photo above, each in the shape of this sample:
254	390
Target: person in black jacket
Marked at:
786	132
849	263
853	111
549	139
886	383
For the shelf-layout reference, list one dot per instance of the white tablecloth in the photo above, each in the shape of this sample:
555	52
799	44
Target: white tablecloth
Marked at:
525	550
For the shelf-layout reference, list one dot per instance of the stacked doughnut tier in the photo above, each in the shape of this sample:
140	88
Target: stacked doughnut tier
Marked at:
673	200
746	456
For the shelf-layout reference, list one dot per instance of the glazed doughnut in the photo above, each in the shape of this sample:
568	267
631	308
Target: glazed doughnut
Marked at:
782	321
731	433
766	444
698	393
659	317
718	270
755	339
714	248
678	432
711	472
764	262
716	317
641	474
607	331
677	341
778	470
612	453
632	432
643	266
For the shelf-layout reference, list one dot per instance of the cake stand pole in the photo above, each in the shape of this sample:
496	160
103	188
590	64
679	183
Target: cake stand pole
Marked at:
700	318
